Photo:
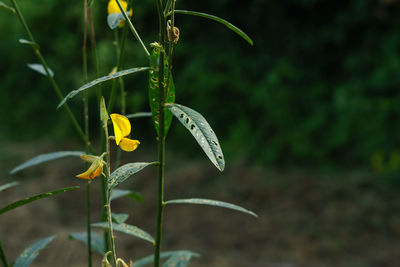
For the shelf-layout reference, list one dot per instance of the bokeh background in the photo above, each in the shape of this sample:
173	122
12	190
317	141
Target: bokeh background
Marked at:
308	119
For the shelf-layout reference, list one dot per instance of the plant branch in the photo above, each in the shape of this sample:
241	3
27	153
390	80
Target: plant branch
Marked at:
132	28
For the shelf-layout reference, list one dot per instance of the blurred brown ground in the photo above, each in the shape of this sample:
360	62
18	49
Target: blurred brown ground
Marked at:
305	218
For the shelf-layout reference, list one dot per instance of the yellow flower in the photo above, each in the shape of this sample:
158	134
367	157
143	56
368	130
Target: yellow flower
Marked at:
122	129
113	7
95	168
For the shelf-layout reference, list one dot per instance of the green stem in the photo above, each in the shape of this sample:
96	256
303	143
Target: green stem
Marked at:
120	55
132	28
161	138
3	256
111	234
51	79
94	52
86	115
88	224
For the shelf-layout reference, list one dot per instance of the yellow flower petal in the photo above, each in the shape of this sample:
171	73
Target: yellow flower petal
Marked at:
113	7
93	171
122	126
129	144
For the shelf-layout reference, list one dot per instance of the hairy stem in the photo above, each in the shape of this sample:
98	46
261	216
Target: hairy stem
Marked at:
161	138
111	234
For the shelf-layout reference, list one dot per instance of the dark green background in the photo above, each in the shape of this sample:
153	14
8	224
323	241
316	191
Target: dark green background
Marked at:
318	88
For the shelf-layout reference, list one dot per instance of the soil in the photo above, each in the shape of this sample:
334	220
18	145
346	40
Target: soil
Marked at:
306	218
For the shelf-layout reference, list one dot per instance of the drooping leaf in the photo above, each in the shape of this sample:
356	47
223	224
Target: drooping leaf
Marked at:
150	259
215	18
119	217
97	241
169	92
125	171
30	253
180	259
39	68
90	3
6	186
24	41
127	229
201	201
22	202
7	7
100	80
46	157
201	131
117	193
138	115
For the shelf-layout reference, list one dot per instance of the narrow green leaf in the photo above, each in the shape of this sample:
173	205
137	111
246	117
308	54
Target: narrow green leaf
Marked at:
180	259
201	131
201	201
7	7
117	193
119	217
30	253
127	229
97	241
138	115
35	45
125	171
6	186
90	3
100	80
39	68
25	201
215	18
46	157
150	259
153	90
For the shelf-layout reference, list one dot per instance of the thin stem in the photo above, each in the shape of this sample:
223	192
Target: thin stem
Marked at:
51	79
120	53
132	28
88	224
3	256
86	116
111	234
94	52
161	139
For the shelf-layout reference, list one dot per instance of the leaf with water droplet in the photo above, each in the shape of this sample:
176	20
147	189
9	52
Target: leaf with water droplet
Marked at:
201	131
125	171
127	229
100	80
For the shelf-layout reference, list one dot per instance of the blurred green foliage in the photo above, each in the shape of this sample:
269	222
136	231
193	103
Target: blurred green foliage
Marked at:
319	86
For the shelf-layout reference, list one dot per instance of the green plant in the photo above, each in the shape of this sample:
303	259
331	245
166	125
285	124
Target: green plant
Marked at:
161	94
